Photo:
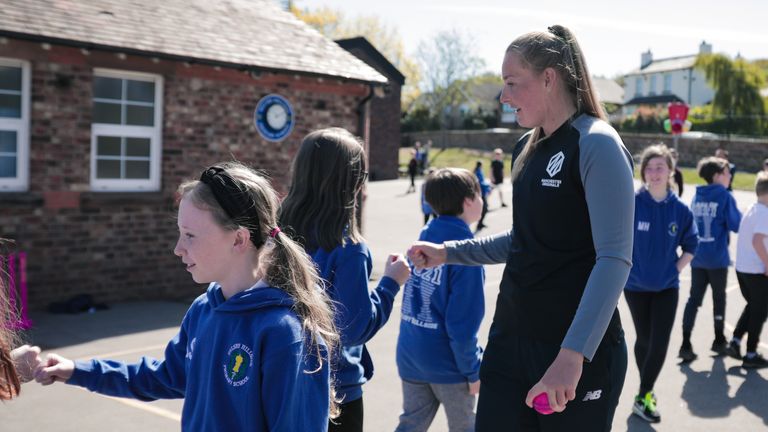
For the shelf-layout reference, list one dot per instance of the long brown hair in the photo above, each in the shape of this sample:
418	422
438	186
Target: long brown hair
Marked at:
328	174
285	263
9	379
559	50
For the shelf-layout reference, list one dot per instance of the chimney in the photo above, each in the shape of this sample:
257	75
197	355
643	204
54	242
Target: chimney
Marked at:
705	48
646	58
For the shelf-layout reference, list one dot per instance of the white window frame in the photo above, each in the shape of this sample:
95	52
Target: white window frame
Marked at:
667	83
652	86
21	126
639	85
154	133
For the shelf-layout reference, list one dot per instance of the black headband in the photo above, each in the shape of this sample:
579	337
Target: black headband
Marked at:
234	199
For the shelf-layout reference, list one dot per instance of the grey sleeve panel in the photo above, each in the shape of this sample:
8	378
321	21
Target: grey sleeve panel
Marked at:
606	173
479	251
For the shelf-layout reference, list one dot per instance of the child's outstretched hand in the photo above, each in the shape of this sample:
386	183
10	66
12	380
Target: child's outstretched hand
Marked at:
26	359
397	268
55	368
425	255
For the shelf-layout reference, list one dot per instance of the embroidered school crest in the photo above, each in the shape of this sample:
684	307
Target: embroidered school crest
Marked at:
672	229
239	361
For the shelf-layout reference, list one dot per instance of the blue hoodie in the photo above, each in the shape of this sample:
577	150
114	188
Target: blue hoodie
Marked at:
240	364
660	227
359	313
716	213
441	315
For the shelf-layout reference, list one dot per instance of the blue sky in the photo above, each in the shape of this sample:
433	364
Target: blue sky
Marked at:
612	34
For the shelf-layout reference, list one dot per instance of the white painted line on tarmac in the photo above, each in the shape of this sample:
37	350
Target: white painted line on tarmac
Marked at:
170	415
731	287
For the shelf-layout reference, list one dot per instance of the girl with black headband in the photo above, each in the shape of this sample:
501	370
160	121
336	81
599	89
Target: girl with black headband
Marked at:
322	209
252	353
556	337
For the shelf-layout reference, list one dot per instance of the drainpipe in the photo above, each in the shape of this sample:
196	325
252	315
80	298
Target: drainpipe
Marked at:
364	132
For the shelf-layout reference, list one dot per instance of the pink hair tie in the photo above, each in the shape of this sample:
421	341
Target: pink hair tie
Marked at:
275	231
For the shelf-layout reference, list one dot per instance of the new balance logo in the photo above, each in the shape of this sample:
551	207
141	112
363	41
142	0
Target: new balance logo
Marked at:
592	395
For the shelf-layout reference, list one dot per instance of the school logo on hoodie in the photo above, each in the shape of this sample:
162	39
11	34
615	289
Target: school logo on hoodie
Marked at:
239	361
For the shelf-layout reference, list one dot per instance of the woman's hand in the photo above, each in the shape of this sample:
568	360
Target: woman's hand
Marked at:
425	255
26	359
559	381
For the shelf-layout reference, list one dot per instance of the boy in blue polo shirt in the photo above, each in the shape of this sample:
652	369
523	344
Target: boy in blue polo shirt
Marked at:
438	356
716	215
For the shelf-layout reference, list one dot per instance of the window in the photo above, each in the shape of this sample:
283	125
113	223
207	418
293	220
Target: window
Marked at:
667	83
652	86
126	131
639	86
14	125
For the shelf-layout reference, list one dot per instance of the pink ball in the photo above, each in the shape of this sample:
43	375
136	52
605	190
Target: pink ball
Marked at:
541	404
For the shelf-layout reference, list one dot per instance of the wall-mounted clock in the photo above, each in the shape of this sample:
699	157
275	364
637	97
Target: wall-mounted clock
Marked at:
273	117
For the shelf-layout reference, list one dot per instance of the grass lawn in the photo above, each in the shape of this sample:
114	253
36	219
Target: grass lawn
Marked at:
466	158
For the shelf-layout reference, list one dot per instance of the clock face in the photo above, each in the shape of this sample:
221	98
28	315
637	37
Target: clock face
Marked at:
273	117
277	117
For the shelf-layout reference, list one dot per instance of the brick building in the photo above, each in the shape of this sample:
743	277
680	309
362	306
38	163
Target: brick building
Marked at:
385	124
107	105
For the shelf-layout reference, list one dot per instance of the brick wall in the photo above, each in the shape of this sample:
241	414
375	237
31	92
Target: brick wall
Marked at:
385	135
118	246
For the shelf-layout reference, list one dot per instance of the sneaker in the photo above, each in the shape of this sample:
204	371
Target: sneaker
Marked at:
719	346
686	354
756	362
733	350
645	408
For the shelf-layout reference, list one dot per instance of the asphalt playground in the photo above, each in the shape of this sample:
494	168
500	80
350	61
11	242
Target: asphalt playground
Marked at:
709	394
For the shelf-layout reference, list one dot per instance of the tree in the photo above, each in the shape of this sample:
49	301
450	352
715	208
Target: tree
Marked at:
447	62
332	24
737	85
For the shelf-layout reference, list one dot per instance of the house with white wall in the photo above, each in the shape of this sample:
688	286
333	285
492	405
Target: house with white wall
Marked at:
661	81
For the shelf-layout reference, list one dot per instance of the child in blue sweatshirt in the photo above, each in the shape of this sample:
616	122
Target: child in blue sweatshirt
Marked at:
716	215
252	353
662	224
322	209
438	356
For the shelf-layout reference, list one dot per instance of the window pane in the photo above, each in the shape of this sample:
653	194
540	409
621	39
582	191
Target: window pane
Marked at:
7	141
10	105
108	88
7	166
10	78
139	115
108	146
141	91
137	169
137	147
108	169
106	113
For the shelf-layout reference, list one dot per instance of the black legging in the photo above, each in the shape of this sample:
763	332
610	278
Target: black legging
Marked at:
700	278
653	314
754	288
350	419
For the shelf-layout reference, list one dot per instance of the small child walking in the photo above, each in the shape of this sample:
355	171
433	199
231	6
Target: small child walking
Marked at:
662	225
752	273
252	352
321	208
716	215
438	356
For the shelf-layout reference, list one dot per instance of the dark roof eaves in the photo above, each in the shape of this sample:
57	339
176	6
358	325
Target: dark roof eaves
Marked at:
363	43
168	56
